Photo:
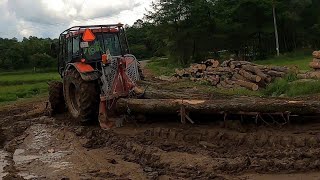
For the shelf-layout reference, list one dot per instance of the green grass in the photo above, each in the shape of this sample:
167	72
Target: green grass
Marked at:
27	71
24	84
15	92
300	59
27	78
162	66
292	87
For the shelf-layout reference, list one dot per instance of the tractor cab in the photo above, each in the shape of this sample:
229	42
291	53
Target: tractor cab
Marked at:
88	44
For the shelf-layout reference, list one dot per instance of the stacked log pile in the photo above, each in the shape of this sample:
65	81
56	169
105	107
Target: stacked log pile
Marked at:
232	74
315	65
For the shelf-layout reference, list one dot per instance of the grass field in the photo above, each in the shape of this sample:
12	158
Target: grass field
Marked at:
20	85
162	66
300	59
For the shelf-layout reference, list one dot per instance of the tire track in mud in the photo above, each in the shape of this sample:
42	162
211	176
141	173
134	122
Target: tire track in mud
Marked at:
241	152
188	153
154	160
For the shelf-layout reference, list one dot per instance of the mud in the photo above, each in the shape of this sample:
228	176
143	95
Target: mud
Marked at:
36	146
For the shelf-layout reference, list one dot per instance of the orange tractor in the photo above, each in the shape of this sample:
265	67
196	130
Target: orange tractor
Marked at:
97	69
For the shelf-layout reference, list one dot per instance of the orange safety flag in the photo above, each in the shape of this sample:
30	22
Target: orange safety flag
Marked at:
88	36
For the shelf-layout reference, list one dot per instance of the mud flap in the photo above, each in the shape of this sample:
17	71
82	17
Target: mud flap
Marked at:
86	71
90	76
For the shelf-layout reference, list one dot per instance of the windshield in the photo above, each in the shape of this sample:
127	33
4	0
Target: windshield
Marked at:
102	43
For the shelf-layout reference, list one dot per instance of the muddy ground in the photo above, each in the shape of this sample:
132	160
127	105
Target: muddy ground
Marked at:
34	145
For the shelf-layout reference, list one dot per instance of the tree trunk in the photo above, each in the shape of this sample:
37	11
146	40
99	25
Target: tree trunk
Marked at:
275	28
236	105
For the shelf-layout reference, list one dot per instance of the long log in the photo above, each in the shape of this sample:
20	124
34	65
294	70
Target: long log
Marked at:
248	85
257	71
237	76
250	76
236	105
314	75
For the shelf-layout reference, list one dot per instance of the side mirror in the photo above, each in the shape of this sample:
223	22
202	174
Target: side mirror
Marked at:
54	50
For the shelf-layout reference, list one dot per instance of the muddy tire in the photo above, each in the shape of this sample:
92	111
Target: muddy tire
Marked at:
82	97
56	98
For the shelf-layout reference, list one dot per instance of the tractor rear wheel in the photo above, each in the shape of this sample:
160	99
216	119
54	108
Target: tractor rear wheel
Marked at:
82	97
56	98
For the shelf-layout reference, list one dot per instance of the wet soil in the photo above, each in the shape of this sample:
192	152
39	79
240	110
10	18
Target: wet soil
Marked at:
36	146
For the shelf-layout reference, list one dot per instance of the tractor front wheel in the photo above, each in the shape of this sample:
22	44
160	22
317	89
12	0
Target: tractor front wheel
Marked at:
82	97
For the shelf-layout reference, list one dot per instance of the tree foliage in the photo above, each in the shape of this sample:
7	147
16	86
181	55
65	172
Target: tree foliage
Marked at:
192	30
28	53
189	30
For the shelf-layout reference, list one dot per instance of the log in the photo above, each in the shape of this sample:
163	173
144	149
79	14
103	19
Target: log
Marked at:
314	75
226	63
316	60
249	76
258	72
316	54
210	73
228	81
214	80
182	73
217	106
279	69
314	64
276	73
197	68
219	69
212	63
237	76
248	85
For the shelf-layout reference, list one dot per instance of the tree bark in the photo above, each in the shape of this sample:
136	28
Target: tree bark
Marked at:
236	105
248	85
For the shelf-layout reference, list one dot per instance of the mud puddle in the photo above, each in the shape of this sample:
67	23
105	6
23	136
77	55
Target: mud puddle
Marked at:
38	152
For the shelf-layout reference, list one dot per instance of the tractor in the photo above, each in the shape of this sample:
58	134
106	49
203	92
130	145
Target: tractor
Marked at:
96	68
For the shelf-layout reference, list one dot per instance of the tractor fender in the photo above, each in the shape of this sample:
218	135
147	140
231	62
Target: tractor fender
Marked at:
86	71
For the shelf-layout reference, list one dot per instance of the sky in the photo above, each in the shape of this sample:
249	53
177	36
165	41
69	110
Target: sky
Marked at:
48	18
